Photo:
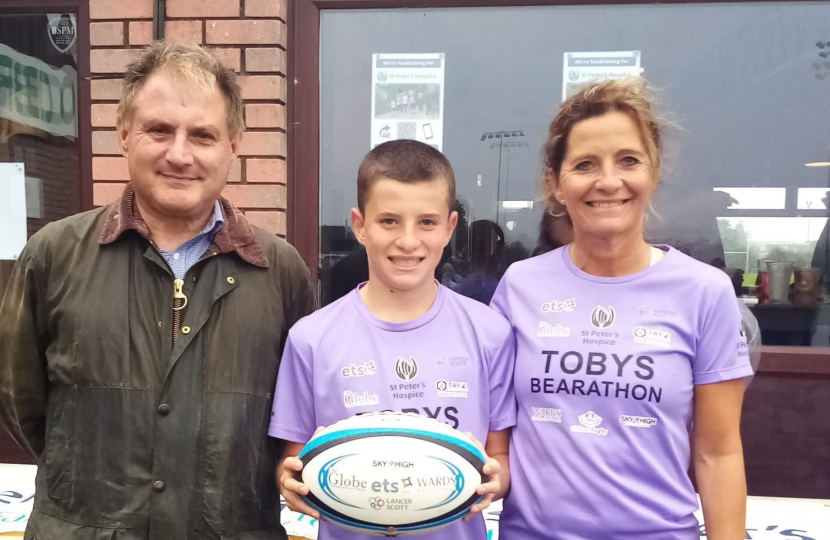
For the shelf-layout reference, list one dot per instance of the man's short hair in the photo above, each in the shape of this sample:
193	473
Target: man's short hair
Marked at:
192	63
406	161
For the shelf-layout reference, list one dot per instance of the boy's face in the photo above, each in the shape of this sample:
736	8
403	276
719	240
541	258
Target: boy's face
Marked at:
405	228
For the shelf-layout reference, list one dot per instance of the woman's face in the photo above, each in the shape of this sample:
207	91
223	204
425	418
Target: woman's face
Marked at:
606	179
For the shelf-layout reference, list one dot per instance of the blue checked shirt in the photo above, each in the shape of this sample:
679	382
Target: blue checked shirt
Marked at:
181	259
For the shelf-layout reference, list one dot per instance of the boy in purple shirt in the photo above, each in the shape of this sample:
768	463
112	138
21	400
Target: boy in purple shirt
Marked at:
400	341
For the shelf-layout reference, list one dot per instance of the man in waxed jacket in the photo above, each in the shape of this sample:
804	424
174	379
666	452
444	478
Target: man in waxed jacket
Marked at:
140	342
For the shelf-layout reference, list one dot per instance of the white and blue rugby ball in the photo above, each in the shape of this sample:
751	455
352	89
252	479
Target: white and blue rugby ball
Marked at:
374	471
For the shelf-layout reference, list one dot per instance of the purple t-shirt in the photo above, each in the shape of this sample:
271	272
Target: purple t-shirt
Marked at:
455	363
604	380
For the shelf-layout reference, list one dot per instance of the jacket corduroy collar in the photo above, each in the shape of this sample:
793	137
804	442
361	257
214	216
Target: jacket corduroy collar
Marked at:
236	234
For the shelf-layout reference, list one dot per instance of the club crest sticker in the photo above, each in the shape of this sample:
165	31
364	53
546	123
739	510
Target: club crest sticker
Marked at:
62	30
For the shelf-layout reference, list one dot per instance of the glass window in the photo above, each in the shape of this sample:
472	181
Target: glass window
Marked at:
744	88
39	160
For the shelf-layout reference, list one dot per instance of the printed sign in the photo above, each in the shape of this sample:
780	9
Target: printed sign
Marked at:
408	98
582	68
36	94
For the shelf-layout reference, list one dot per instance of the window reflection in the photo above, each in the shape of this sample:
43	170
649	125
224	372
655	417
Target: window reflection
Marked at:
813	198
754	198
38	137
728	197
38	120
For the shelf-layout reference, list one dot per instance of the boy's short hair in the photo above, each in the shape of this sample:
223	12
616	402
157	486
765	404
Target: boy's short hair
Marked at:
404	161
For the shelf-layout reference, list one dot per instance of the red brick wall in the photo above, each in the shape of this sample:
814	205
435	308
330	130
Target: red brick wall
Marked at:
249	36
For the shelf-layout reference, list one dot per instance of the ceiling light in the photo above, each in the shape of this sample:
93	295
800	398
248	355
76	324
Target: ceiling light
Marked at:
818	164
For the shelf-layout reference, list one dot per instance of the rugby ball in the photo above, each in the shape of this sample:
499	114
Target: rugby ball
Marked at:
380	470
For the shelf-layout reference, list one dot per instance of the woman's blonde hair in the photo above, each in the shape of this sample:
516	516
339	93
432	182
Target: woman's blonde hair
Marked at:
630	96
195	65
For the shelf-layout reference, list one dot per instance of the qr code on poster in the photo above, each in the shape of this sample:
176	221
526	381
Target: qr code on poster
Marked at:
407	130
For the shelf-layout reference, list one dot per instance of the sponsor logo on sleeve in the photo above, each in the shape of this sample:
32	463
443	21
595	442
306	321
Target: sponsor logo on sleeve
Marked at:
743	344
589	423
638	421
652	336
554	306
358	370
406	368
545	414
602	317
451	388
362	399
546	329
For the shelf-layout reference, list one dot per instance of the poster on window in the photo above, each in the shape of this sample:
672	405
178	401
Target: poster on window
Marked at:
582	68
36	95
12	210
408	98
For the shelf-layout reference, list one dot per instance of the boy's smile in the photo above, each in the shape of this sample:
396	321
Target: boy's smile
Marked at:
406	262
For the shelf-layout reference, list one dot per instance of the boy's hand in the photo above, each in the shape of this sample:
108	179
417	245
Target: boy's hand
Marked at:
488	489
292	490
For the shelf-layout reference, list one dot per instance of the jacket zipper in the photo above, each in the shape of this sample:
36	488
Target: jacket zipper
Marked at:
179	303
180	299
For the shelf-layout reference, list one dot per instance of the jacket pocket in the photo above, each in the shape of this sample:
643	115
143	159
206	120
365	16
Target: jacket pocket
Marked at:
59	459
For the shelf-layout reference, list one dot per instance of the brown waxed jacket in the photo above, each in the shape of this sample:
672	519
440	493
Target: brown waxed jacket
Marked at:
138	435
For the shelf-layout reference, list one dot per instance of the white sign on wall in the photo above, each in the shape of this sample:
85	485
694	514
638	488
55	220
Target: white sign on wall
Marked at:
408	98
12	210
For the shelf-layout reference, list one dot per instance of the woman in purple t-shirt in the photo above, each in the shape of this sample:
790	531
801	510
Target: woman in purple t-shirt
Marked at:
622	347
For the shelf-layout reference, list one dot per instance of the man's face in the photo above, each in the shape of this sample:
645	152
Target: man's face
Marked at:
405	228
178	148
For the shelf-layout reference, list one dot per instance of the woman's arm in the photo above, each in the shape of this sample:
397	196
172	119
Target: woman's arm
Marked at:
719	458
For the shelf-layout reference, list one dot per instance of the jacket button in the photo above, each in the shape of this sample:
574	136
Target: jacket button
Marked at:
185	330
158	486
231	280
164	409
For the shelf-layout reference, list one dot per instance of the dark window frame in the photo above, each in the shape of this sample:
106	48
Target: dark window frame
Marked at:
303	157
81	10
10	453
